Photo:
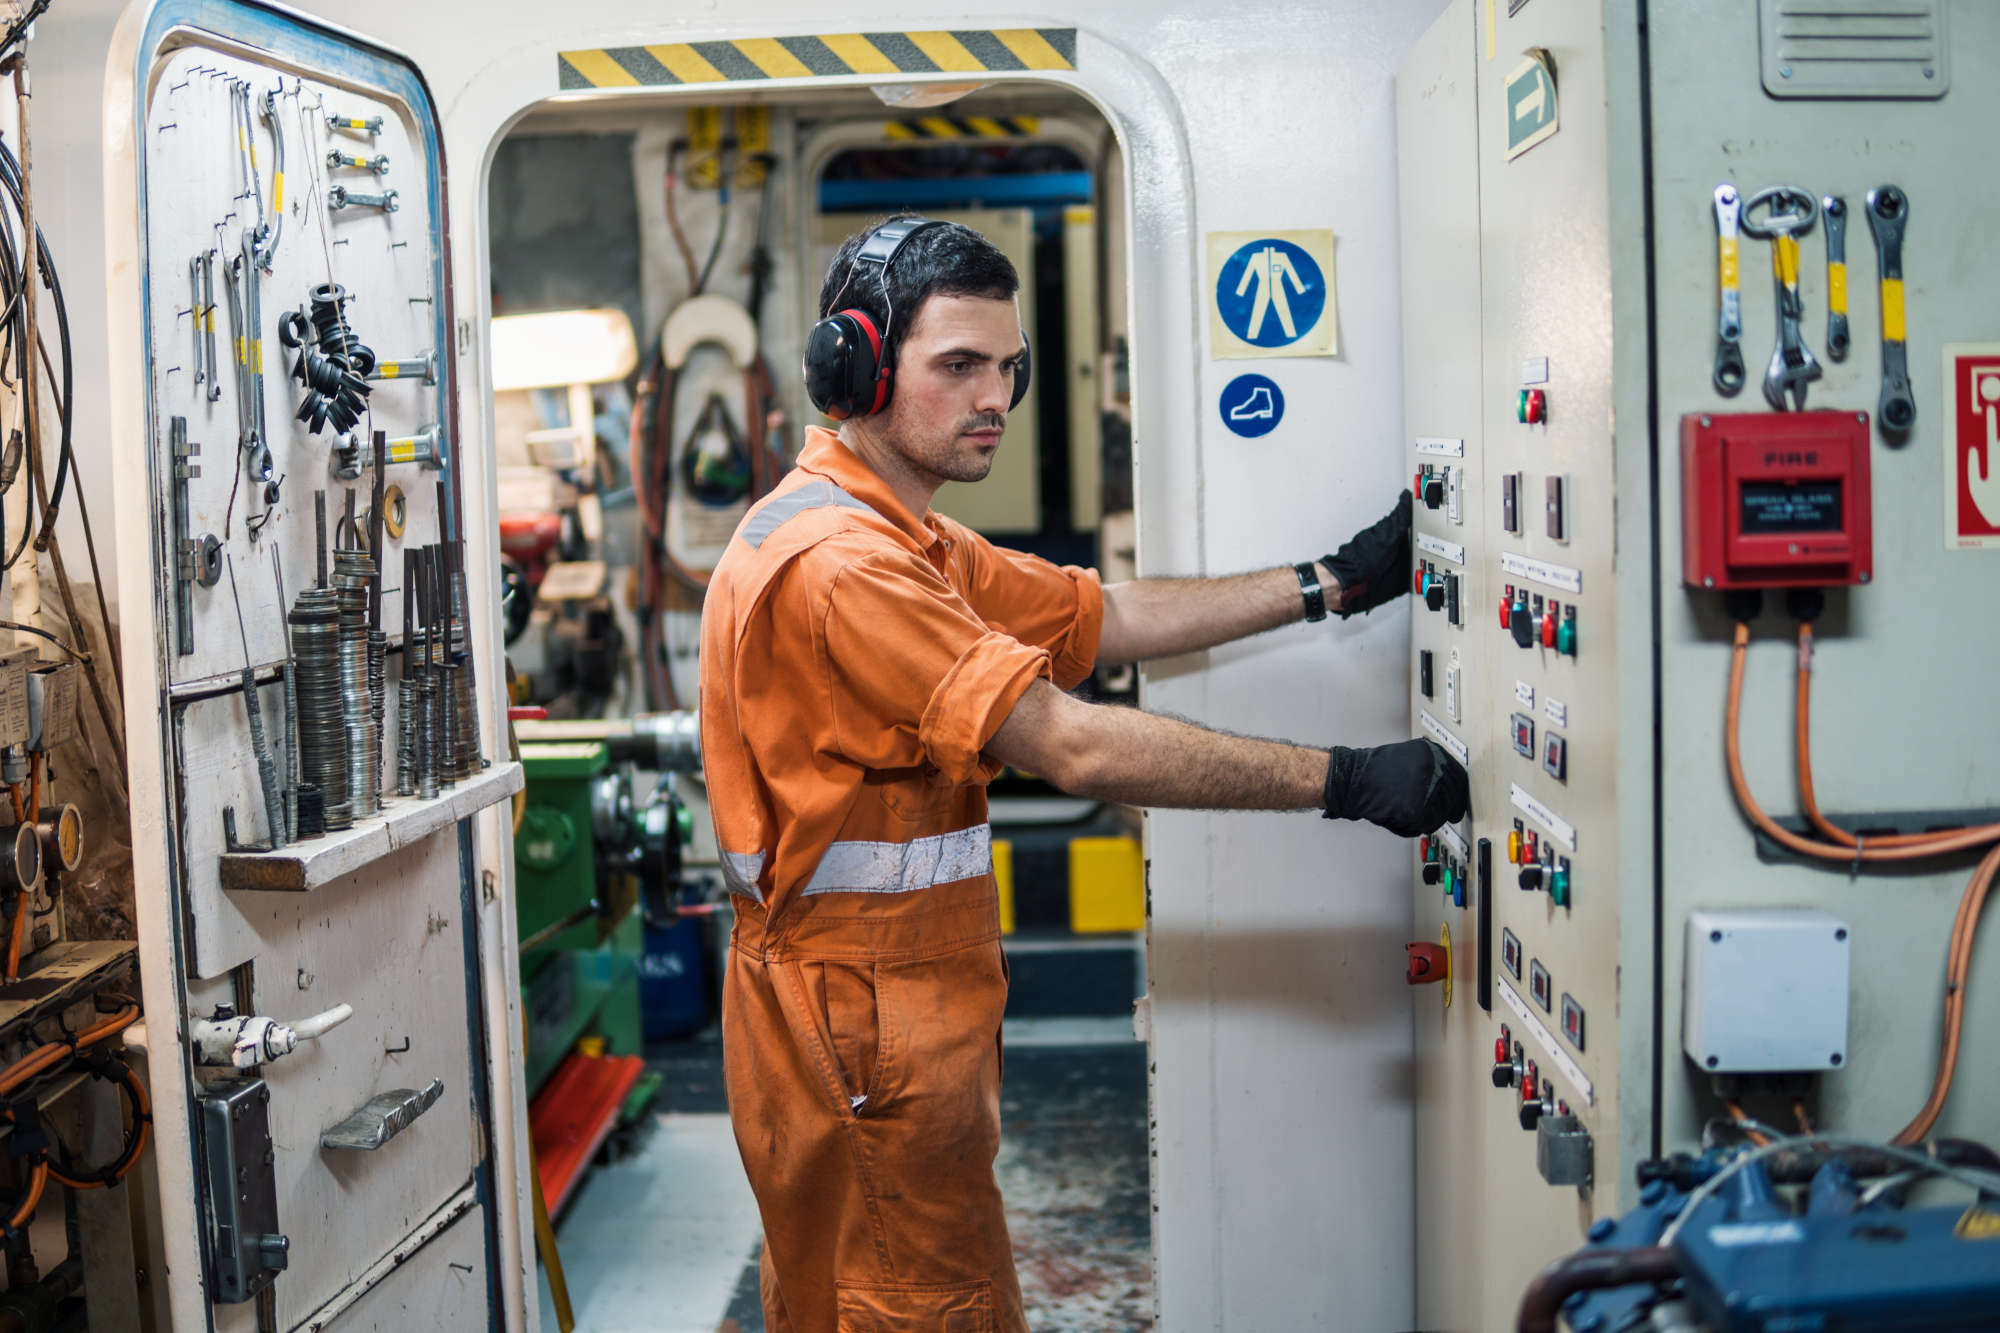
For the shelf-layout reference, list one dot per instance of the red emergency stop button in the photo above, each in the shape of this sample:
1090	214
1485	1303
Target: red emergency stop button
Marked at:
1426	963
1532	407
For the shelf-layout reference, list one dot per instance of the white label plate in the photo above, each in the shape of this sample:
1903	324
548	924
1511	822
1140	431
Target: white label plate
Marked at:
1457	842
1442	448
1558	828
1560	577
1524	693
1442	735
1443	550
1555	1054
1556	711
1535	370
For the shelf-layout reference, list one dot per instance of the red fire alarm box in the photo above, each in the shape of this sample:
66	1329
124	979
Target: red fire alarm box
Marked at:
1775	500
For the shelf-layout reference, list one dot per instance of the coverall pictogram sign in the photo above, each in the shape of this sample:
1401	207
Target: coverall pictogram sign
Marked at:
1972	447
1271	293
1252	405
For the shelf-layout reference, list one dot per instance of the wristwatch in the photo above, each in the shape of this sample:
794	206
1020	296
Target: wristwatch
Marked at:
1309	588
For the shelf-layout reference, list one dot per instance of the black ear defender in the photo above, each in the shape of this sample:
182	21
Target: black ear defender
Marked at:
848	369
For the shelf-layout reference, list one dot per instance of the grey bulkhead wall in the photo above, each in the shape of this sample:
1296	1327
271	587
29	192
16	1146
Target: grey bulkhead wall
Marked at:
1280	1028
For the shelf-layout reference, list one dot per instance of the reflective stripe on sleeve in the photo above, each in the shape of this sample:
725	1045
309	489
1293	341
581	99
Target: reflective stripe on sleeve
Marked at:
904	867
812	495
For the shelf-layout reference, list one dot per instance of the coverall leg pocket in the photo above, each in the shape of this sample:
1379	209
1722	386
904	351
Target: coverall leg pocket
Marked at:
915	1308
836	1015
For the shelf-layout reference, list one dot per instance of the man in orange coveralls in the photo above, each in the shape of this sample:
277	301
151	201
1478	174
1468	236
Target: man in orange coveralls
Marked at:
867	666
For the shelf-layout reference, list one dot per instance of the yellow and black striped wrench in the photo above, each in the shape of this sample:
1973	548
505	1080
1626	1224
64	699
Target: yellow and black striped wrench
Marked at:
1834	208
1888	211
1729	370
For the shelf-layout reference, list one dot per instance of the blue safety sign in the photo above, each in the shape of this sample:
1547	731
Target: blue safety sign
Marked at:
1252	405
1270	292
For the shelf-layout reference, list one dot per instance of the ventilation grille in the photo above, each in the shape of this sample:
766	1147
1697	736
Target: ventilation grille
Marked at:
1854	48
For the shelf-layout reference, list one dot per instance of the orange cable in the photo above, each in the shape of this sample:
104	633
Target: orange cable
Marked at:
1809	803
1739	1115
1957	965
1943	843
37	1182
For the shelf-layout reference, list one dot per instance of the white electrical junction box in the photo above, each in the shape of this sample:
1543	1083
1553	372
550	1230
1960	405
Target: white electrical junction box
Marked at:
1766	991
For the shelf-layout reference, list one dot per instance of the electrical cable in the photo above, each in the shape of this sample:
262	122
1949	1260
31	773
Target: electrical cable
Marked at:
674	151
1962	840
722	202
1983	1181
1809	804
94	1178
10	178
18	627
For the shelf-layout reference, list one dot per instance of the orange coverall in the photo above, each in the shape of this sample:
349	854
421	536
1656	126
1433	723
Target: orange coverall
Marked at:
855	659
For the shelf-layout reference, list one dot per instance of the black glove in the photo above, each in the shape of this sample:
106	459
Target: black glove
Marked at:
1374	566
1409	788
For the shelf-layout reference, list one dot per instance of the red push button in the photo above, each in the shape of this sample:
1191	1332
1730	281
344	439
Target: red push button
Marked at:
1532	407
1426	963
1548	629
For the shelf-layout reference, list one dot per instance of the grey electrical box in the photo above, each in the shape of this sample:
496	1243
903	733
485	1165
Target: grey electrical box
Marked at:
246	1249
52	705
1563	1151
1766	991
14	696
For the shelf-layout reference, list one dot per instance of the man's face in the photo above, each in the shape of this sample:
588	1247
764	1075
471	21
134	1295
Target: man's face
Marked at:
954	383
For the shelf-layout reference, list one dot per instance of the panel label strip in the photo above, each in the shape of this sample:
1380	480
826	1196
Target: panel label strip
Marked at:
1454	840
1560	577
1442	735
1443	550
1555	1054
1430	444
1558	828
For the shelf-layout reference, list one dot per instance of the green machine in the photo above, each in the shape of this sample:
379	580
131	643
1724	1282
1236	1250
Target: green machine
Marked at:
584	857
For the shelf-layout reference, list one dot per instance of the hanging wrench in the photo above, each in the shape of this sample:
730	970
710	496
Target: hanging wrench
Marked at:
1835	209
1792	364
208	323
1888	211
1729	370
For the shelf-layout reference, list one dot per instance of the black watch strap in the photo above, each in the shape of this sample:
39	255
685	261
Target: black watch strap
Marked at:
1310	589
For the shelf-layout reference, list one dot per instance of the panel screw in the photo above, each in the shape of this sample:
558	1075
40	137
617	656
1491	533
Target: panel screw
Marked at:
1929	73
1784	71
1708	582
1707	421
1840	934
1715	937
1836	1057
1713	1061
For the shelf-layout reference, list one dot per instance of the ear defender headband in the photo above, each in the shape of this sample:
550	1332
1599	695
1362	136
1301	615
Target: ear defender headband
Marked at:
849	369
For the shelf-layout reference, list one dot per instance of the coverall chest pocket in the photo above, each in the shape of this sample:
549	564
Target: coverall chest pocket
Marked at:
918	793
913	1308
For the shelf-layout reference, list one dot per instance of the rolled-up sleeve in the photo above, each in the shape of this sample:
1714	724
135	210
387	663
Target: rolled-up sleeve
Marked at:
915	676
1057	607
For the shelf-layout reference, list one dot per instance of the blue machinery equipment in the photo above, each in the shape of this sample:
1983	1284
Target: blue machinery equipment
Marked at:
1803	1236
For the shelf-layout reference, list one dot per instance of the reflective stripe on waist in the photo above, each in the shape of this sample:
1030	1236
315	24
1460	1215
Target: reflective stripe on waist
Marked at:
903	867
878	867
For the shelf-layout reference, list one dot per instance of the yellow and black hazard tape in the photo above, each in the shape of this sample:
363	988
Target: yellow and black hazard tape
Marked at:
752	59
963	127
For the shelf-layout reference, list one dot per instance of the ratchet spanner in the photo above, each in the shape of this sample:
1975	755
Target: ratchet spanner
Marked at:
1888	211
1729	370
1835	210
1793	366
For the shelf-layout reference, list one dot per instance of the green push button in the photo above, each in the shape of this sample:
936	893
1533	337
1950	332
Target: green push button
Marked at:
1559	886
1566	637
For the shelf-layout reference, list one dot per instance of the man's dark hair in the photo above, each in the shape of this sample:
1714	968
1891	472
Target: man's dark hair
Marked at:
945	260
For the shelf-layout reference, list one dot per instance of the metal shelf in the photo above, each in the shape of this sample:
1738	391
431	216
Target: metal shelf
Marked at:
305	866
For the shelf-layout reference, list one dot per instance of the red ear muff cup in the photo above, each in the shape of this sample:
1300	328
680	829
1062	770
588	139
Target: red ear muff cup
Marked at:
843	366
1023	373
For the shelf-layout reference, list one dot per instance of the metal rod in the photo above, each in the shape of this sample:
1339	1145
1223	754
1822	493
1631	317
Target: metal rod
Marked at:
319	528
267	771
375	531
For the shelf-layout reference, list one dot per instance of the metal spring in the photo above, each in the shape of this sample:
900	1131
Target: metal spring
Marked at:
427	736
378	693
352	573
406	733
315	627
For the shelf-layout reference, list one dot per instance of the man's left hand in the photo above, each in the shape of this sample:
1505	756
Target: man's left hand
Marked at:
1374	566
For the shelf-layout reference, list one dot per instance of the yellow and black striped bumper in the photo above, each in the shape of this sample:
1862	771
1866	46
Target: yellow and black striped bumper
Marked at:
752	59
962	127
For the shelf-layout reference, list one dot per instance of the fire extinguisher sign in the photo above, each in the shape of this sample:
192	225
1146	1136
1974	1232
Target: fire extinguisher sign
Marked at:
1972	446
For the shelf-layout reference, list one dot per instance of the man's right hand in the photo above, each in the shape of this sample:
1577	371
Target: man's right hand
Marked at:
1409	788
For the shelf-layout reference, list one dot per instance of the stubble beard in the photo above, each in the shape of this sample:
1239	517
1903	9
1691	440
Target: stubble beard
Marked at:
942	457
